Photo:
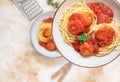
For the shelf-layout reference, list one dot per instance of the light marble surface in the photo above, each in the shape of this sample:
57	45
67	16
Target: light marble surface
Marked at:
19	62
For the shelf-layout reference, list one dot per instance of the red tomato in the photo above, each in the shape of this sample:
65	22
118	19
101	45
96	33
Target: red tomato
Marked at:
47	32
48	20
104	13
104	35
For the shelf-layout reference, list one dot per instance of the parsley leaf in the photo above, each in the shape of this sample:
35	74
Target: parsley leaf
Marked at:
56	5
50	2
83	37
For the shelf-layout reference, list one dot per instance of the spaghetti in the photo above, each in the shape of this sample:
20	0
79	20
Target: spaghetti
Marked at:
41	28
44	35
69	37
107	49
74	8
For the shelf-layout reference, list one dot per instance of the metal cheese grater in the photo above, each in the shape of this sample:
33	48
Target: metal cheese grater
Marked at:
29	8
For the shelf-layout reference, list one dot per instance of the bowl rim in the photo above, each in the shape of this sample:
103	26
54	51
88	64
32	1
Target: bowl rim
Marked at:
67	58
59	56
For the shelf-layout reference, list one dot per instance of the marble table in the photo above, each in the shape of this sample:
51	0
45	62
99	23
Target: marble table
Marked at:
20	62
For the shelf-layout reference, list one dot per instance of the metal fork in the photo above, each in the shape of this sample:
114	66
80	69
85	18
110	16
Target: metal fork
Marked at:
64	70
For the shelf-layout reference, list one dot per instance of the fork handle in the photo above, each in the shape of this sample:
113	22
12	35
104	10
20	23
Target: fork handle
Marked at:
61	70
63	76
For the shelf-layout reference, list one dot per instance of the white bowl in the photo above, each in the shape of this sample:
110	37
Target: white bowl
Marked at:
68	52
40	49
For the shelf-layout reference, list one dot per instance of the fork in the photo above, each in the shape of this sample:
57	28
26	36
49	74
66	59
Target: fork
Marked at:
64	70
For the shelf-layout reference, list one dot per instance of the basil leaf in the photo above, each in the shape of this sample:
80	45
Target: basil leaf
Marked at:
83	37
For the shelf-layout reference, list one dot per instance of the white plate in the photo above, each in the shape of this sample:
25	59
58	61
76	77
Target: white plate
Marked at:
68	52
40	49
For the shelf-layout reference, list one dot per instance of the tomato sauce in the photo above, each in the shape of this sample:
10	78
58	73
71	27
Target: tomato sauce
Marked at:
87	48
48	20
76	45
75	25
79	23
49	44
104	13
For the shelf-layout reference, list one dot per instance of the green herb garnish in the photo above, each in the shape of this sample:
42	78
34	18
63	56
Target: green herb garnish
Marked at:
50	2
83	37
56	5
